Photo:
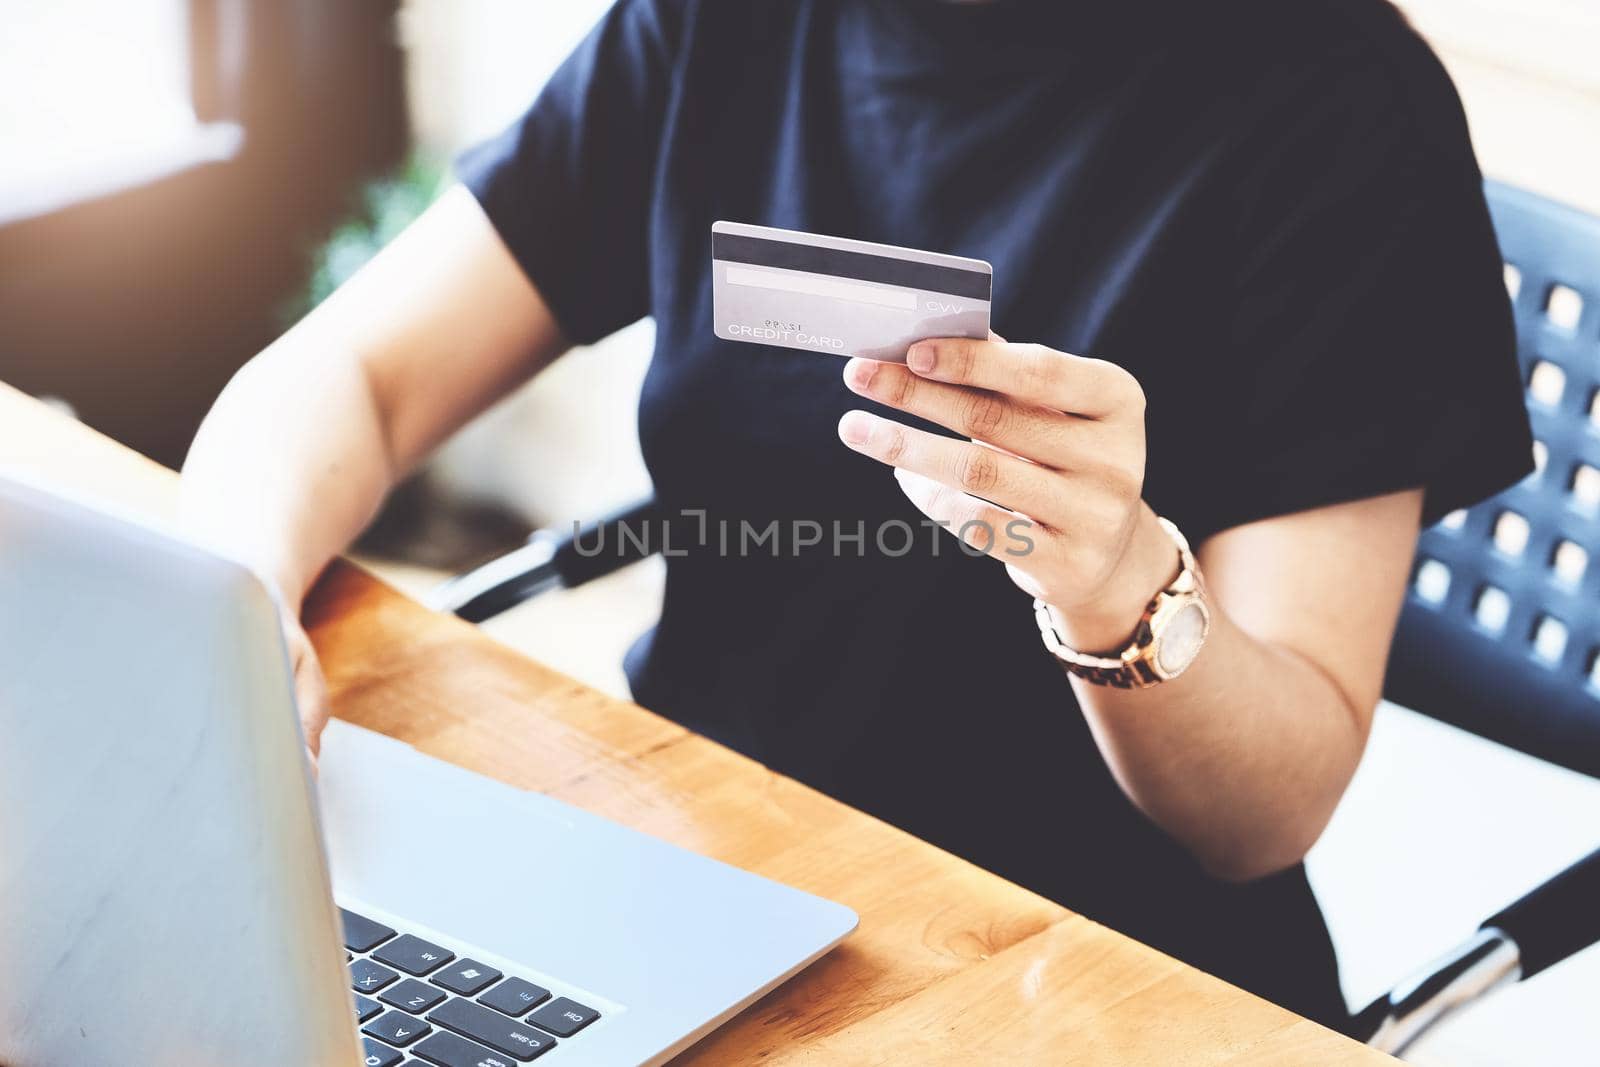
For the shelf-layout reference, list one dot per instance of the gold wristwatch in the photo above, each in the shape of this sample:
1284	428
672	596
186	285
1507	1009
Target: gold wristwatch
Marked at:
1169	635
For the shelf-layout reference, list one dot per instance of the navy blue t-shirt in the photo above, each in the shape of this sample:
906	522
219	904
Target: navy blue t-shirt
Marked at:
1269	213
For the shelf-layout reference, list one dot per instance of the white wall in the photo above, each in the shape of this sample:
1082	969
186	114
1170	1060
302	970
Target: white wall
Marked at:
474	65
1529	74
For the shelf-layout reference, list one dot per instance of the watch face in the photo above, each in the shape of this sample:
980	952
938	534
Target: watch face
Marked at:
1180	640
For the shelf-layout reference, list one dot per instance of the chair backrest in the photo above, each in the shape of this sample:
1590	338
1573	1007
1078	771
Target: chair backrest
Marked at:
1501	627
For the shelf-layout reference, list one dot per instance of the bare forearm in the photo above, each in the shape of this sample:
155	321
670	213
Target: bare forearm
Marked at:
289	466
1245	755
1242	758
300	449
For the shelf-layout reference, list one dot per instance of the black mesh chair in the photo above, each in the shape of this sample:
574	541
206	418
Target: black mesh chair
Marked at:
1502	626
1499	634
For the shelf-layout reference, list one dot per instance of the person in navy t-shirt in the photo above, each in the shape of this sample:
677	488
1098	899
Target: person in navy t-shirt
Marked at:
1248	284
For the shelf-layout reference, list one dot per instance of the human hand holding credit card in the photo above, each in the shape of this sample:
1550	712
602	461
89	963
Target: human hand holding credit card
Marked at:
841	296
1049	439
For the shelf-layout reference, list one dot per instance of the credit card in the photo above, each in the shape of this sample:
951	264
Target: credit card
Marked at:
832	294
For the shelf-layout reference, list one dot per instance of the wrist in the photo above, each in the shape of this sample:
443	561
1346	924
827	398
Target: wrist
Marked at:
1108	620
280	577
283	580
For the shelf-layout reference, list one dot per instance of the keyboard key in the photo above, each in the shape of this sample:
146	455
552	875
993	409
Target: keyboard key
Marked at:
361	934
366	1008
396	1027
447	1050
515	996
413	955
412	995
368	977
505	1035
378	1055
563	1017
466	977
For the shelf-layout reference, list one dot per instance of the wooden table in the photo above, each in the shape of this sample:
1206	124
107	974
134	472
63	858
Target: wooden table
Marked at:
951	964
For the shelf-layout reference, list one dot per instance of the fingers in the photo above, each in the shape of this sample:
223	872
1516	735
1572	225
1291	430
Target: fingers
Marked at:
1054	565
1035	374
1057	455
970	468
311	692
983	527
310	688
1040	434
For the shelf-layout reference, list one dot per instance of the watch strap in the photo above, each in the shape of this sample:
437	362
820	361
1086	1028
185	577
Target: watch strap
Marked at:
1132	667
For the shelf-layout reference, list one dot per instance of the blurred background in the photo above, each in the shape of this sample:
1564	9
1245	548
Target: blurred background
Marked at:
180	178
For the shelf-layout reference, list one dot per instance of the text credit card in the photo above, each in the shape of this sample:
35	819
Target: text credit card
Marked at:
831	294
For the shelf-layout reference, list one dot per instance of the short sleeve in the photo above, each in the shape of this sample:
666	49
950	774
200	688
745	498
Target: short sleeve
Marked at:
568	186
1371	347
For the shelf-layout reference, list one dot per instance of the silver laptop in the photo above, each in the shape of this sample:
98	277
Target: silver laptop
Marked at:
176	890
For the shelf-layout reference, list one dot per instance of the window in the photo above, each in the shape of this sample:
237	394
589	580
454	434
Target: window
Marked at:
94	94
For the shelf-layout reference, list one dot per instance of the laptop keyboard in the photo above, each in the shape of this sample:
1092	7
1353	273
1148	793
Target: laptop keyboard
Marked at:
419	1003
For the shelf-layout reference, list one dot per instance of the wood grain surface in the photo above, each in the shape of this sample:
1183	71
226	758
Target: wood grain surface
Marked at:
951	964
